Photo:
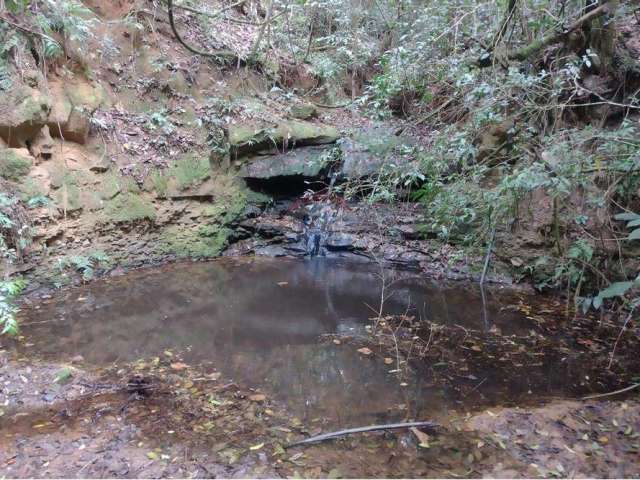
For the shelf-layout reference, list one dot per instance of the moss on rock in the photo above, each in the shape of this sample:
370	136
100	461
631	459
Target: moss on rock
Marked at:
204	241
190	170
129	207
245	139
13	166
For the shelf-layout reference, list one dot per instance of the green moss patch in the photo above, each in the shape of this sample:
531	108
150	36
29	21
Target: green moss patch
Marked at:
129	207
189	170
13	166
205	241
245	139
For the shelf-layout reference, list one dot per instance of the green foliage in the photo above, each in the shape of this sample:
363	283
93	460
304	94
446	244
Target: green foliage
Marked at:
9	290
13	235
633	221
161	120
68	17
85	264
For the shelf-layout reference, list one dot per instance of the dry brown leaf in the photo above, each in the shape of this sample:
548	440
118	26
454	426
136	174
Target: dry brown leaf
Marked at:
258	397
423	438
365	351
179	366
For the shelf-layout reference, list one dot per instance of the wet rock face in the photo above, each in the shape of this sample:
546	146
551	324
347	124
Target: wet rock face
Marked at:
335	230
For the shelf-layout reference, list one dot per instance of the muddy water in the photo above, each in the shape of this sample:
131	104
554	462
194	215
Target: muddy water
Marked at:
259	323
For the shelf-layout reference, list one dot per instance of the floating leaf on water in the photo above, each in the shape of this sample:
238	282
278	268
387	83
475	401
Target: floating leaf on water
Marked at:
64	375
365	351
257	447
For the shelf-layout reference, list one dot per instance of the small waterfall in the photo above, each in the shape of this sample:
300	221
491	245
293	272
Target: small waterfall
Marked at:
317	222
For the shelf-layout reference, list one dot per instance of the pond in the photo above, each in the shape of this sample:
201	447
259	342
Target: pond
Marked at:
260	322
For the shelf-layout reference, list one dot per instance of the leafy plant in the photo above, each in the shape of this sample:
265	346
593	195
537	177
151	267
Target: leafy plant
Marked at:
633	221
86	265
9	290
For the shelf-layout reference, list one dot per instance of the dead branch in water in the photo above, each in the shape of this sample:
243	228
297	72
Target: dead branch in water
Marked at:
371	428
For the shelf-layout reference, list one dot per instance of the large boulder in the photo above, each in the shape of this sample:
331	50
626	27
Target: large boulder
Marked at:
65	108
23	112
305	161
72	109
247	139
370	151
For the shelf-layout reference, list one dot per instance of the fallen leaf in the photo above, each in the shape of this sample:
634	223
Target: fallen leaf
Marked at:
295	457
388	360
365	351
64	375
179	366
334	473
152	455
257	447
423	438
258	397
336	341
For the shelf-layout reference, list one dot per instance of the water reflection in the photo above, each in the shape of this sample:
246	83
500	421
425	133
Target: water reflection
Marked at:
259	321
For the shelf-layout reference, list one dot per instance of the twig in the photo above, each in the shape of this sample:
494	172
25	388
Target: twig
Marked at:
372	428
488	256
615	345
600	395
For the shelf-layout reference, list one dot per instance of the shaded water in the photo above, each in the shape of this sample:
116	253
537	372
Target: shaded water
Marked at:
259	321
